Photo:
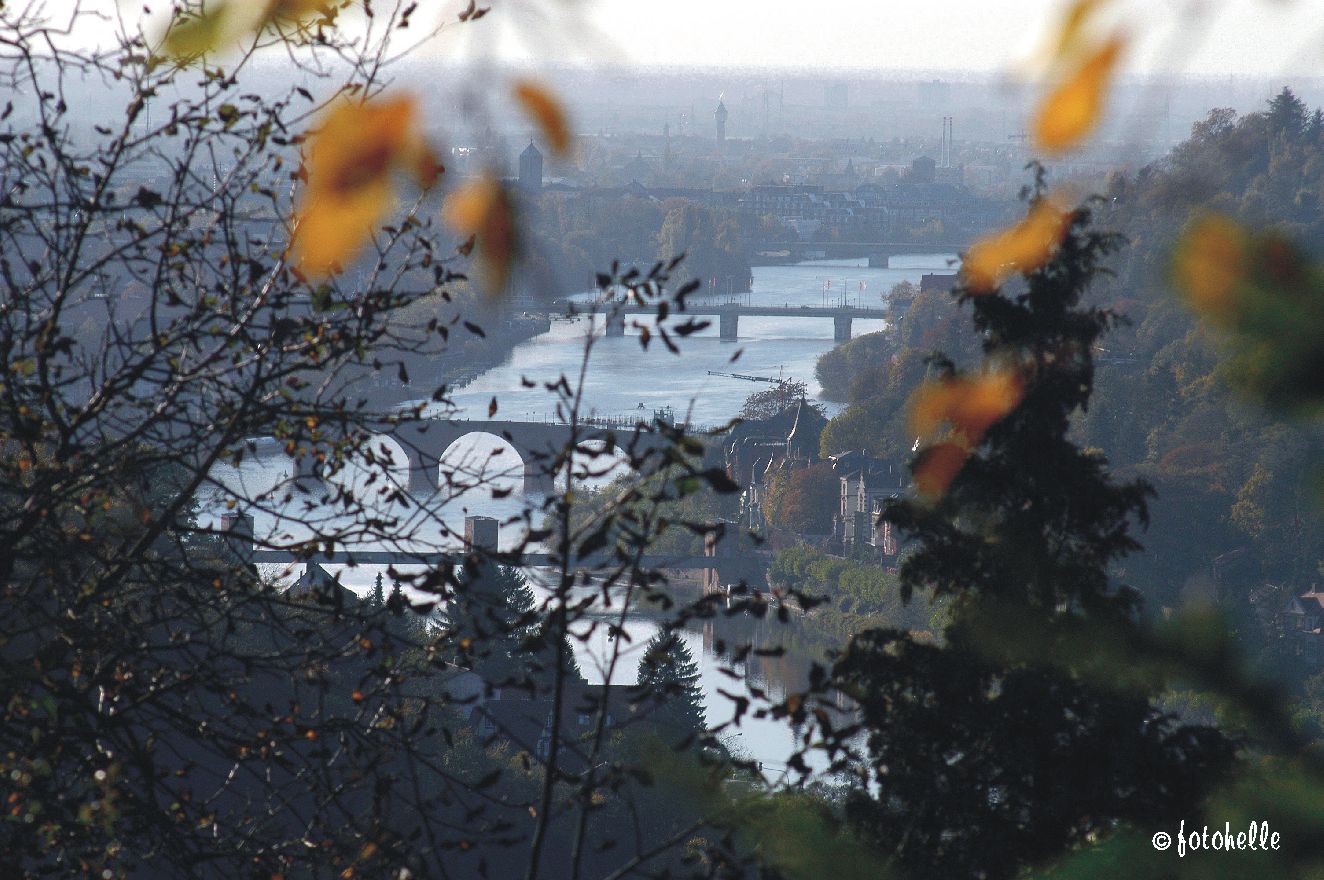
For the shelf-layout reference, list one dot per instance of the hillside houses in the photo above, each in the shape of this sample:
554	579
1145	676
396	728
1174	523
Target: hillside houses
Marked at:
866	484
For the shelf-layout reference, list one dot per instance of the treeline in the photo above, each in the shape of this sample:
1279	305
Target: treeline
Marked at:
572	237
853	587
1235	504
1233	510
876	373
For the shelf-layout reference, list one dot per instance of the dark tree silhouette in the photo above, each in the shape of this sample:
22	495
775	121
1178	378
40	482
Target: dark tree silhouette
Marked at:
984	758
669	686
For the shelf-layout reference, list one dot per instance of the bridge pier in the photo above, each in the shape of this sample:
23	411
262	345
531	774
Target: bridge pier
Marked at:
536	479
615	323
841	328
728	322
733	560
308	472
238	530
423	478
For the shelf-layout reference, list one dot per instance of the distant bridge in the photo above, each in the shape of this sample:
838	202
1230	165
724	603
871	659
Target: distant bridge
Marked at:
721	563
878	252
529	560
728	316
426	442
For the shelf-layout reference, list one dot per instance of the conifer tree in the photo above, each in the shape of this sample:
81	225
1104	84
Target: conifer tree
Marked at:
487	620
985	757
492	627
669	685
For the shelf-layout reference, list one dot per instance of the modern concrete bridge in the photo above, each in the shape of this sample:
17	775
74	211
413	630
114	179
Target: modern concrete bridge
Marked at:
878	252
729	315
722	562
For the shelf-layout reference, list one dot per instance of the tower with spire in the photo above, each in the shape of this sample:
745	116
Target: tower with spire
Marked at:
719	115
802	441
530	169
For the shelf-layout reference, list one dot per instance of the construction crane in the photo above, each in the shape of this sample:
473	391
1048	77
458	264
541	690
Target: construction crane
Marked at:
777	381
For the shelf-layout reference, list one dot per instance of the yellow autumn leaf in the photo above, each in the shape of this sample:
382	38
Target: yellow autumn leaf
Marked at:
988	398
1071	34
220	24
1022	248
1212	259
930	405
482	208
1072	110
937	467
294	11
546	110
970	405
349	164
213	28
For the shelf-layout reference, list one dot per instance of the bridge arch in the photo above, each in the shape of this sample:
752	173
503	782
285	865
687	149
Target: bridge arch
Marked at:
466	448
485	455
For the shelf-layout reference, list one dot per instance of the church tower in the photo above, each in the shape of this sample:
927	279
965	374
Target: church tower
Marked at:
530	169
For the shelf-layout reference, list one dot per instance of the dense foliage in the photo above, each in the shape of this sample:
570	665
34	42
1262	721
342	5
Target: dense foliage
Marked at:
852	587
803	500
1033	755
1164	406
571	237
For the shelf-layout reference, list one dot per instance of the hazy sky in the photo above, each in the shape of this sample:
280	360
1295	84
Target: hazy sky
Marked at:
1261	37
1205	37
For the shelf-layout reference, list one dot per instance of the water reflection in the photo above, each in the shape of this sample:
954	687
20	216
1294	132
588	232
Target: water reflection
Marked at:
622	378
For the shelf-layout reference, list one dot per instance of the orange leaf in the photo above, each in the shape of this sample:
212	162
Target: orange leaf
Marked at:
1212	260
930	406
969	404
1071	111
1023	248
988	399
544	108
1069	37
482	208
350	158
937	467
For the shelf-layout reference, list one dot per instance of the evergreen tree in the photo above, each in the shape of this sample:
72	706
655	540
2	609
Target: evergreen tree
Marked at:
492	626
985	756
488	620
669	685
1288	114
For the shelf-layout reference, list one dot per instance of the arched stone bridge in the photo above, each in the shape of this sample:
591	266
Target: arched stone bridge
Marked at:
426	443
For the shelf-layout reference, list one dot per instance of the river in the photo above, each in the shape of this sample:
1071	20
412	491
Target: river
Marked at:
622	379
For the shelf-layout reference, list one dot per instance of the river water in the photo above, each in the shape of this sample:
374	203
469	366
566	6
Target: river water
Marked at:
623	379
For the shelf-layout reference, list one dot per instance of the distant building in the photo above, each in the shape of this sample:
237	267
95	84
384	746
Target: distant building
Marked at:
530	169
866	485
937	282
1302	620
923	170
316	584
481	533
761	448
637	170
719	115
